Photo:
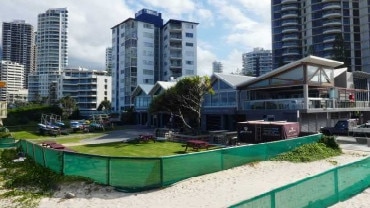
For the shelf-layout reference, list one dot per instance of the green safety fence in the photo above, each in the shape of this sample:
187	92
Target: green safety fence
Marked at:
7	142
322	190
136	173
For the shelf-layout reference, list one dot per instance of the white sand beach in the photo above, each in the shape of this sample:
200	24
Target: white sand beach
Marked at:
220	189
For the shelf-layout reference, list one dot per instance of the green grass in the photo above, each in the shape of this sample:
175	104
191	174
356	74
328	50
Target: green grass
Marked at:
149	149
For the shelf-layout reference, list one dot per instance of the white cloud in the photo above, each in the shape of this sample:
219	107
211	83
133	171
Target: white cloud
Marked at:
205	59
233	62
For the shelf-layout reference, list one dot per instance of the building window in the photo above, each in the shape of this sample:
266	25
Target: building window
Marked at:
149	26
189	44
189	62
189	35
147	44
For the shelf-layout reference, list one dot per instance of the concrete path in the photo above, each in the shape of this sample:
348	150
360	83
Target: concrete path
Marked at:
350	143
118	135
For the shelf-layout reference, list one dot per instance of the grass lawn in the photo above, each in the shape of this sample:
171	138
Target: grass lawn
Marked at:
149	149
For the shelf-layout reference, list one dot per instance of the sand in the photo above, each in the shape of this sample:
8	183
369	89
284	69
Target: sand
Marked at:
221	189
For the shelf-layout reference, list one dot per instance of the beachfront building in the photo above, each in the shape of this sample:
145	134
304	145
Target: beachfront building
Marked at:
17	42
311	91
51	53
179	48
220	110
88	87
337	30
13	75
142	100
144	51
257	62
108	59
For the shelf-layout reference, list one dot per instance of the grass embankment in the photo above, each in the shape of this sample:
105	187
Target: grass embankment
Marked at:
326	147
25	183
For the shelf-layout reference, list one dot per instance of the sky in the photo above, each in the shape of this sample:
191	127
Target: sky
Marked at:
226	30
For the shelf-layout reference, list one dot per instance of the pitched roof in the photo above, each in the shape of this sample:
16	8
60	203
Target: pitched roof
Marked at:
161	84
309	59
142	87
233	80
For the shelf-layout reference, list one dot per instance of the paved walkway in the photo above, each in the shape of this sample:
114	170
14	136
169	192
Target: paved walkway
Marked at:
350	143
118	135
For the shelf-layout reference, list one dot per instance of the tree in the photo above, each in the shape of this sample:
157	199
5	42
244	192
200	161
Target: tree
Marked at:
68	105
184	100
104	105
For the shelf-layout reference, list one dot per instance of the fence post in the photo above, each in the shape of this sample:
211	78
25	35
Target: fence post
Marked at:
108	171
273	201
161	170
336	181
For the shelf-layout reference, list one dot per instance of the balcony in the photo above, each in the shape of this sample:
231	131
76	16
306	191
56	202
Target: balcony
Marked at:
290	22
289	15
333	22
314	105
289	1
290	37
332	14
332	30
290	30
332	5
289	7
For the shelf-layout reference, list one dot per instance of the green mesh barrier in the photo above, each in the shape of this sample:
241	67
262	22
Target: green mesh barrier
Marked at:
353	178
261	201
53	160
30	149
7	142
176	168
322	190
318	191
135	173
91	166
236	156
39	154
23	145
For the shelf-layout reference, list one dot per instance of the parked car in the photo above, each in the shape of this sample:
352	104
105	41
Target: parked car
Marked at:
342	127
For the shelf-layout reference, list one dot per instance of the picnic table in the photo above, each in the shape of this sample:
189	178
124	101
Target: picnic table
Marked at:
146	137
196	144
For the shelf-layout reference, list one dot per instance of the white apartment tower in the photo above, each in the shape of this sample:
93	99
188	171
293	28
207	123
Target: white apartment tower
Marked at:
257	62
13	74
88	87
51	52
144	50
217	67
179	48
108	59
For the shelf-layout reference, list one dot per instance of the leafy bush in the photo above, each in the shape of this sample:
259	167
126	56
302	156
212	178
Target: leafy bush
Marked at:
324	148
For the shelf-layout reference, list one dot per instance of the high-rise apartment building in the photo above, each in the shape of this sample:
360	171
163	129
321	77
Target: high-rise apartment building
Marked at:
217	67
336	30
108	59
13	74
144	50
51	52
179	48
17	42
88	87
257	62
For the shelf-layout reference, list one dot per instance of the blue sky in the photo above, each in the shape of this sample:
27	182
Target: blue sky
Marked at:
227	28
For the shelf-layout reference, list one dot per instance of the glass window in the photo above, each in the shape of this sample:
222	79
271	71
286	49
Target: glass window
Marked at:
189	35
189	44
